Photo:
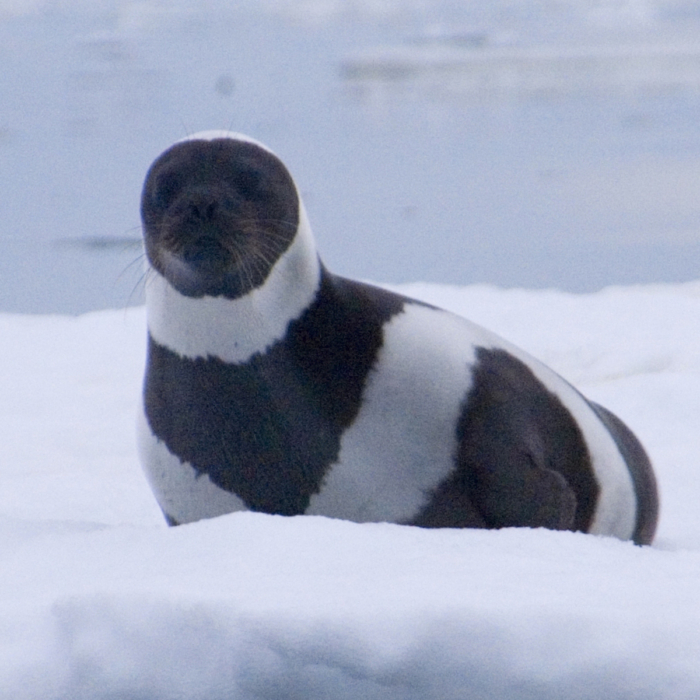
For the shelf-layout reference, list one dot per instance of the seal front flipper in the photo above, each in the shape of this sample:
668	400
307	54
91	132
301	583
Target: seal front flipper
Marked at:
513	491
170	520
519	492
522	456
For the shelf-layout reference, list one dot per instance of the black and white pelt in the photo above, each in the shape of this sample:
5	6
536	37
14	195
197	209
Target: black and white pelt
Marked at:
275	386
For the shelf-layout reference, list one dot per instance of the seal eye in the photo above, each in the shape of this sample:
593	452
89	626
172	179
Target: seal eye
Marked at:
250	186
166	188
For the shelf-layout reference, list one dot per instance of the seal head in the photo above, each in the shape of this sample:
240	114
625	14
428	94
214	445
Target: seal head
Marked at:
217	215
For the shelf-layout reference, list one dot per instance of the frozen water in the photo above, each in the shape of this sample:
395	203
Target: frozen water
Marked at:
99	600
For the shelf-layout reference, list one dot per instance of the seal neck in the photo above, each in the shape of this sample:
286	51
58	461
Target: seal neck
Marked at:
234	330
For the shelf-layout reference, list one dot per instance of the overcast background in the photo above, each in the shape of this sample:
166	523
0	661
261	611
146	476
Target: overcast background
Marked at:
521	143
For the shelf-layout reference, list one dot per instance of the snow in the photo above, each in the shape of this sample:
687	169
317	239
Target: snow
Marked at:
100	600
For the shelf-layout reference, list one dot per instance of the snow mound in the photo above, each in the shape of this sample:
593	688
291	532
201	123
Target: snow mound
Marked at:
100	600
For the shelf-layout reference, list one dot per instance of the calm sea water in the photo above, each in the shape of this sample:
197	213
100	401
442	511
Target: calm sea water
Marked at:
519	146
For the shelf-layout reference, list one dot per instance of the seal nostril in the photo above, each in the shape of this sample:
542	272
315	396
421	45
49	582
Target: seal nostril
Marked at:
203	211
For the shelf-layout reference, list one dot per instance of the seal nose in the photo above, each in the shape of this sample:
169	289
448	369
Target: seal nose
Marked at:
203	209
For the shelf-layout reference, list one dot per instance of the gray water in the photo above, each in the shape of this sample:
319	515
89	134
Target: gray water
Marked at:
530	144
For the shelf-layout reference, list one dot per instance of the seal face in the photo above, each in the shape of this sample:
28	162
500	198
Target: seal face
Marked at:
217	215
275	386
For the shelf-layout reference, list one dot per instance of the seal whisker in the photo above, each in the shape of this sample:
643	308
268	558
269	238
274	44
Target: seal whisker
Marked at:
138	260
140	283
259	263
243	261
265	248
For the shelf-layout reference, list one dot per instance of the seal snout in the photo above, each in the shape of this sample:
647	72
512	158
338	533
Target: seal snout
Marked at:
203	210
207	225
207	253
199	241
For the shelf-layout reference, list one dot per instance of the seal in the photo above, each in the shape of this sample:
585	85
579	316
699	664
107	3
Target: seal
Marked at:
274	385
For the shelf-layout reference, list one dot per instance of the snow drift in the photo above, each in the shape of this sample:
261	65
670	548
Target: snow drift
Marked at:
100	600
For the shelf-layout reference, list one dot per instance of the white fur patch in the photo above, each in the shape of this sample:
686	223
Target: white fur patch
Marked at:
182	492
403	441
214	134
236	329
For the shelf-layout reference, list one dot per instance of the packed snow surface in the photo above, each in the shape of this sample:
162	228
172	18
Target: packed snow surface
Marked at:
100	600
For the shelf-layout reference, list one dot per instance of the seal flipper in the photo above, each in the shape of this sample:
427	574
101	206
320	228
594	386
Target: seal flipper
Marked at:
450	506
522	456
170	520
523	493
512	491
641	471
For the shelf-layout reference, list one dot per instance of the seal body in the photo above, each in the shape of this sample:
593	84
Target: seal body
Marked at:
275	386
